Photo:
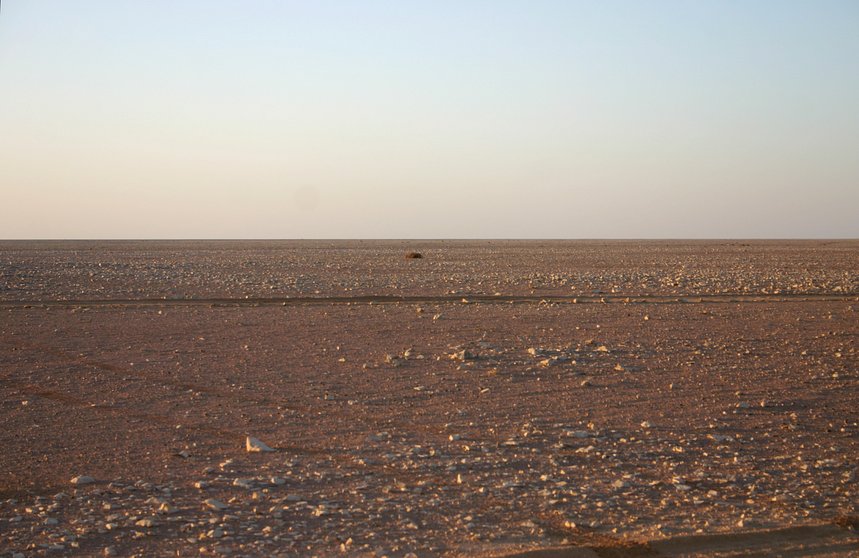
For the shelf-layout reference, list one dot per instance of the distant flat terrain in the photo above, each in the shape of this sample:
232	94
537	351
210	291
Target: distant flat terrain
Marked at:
253	269
490	398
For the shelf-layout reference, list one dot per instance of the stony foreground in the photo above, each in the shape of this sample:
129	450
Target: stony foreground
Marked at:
604	403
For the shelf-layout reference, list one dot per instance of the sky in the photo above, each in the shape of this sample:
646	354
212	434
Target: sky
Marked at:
432	119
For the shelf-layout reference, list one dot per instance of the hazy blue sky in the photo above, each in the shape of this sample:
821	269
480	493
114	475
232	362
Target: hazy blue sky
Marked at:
441	119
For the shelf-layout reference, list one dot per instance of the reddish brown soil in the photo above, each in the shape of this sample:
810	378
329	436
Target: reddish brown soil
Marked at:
649	408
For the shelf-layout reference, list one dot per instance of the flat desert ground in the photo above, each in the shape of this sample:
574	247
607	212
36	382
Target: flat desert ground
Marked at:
492	398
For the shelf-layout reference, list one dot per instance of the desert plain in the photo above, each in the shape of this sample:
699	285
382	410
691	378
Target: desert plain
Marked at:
490	398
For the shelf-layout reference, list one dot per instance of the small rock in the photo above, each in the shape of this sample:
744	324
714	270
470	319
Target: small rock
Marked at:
82	479
393	360
216	533
463	355
578	433
244	483
214	504
147	522
256	445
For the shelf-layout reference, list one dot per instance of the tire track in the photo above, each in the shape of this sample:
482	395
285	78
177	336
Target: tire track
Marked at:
437	299
807	540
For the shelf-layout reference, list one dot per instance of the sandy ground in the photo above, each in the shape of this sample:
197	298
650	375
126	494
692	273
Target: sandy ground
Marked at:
490	398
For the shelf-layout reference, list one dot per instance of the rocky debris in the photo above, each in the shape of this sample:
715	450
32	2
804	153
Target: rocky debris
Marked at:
414	255
256	445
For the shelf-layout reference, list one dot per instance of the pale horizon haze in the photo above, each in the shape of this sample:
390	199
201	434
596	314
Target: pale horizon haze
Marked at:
435	119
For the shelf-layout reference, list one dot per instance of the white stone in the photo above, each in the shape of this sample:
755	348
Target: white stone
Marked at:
256	445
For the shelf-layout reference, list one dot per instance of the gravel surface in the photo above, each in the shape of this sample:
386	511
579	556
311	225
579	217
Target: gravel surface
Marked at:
238	269
451	426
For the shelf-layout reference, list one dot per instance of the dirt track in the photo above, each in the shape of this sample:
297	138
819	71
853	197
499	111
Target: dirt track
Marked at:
688	391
